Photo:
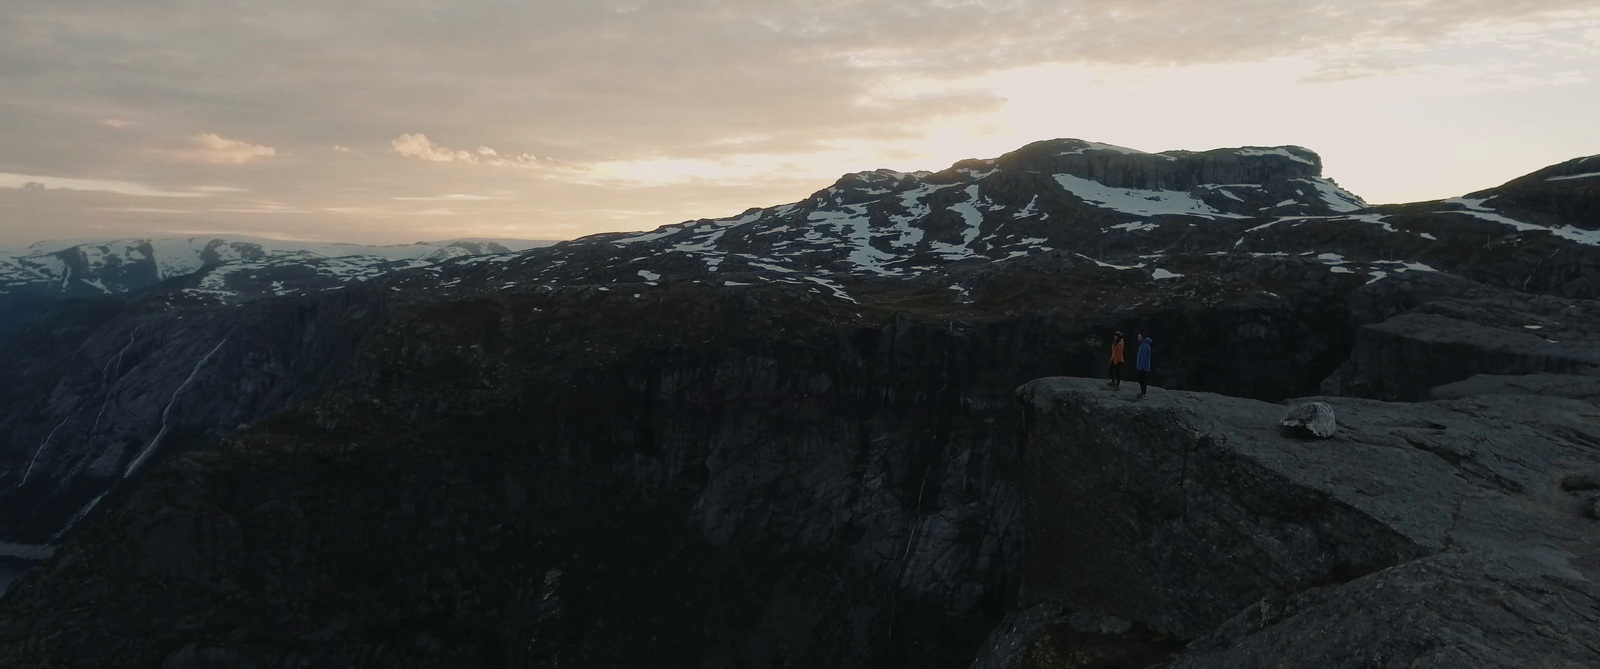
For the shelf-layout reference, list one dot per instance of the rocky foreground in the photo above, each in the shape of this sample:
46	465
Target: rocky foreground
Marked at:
1457	533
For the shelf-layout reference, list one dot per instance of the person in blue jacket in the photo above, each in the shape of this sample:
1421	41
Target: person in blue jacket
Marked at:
1142	364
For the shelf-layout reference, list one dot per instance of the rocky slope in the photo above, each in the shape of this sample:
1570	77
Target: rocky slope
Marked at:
786	438
1443	534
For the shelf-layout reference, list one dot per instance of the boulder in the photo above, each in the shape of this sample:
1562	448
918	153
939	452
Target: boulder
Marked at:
1313	417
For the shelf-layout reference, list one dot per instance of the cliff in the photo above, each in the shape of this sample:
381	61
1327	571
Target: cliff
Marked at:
1439	534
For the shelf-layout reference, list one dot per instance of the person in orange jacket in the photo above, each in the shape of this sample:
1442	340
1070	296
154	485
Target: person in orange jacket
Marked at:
1116	360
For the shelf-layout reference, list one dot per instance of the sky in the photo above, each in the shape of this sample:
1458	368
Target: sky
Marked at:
412	120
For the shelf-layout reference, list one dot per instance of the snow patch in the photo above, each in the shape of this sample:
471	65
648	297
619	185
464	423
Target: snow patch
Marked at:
1108	265
1337	199
1475	208
1160	274
838	290
974	220
1224	192
1136	226
1274	151
1097	146
1137	201
1028	210
855	223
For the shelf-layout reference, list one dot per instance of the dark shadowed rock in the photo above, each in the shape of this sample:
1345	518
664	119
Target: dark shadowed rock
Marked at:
1448	339
1315	418
1589	480
1549	385
1448	610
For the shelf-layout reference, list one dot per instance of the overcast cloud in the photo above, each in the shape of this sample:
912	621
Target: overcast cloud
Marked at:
414	119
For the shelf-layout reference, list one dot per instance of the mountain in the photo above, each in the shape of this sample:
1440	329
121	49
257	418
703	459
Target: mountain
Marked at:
47	272
792	437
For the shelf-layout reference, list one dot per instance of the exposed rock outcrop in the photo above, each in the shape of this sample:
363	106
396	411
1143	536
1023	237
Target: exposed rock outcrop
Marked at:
1170	170
1421	535
1430	334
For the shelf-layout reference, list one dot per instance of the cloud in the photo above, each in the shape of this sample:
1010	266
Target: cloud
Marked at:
40	183
115	123
640	100
217	150
417	145
148	210
452	197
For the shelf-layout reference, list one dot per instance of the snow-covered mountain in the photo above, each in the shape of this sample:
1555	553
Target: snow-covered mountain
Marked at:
121	265
1165	215
213	268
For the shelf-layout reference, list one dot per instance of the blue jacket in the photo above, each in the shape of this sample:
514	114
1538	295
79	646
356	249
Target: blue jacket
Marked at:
1143	363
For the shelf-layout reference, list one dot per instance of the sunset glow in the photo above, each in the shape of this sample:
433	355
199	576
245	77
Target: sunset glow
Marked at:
426	119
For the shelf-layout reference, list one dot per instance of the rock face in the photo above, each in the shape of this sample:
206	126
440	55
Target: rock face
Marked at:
92	399
1437	331
1421	535
1315	418
1118	167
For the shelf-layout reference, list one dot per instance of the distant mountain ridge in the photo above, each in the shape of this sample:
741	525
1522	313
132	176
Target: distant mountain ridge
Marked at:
119	265
1116	207
49	271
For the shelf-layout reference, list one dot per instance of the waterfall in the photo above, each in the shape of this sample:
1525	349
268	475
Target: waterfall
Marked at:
40	450
145	454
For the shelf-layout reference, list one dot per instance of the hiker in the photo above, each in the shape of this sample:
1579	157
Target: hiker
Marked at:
1142	364
1116	360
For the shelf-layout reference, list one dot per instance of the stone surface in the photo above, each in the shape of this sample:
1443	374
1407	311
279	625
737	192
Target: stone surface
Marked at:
1443	611
1448	333
1420	535
1315	418
1549	385
1589	480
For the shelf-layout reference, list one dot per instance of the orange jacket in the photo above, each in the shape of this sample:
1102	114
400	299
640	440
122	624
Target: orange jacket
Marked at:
1116	352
